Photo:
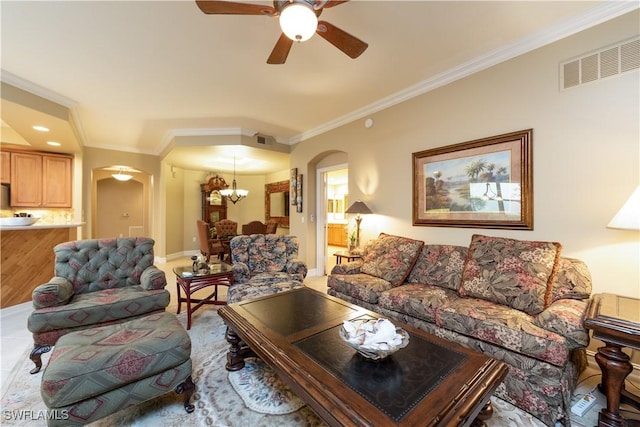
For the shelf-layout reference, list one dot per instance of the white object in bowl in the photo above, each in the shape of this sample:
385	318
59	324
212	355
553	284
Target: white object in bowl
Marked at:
350	332
19	220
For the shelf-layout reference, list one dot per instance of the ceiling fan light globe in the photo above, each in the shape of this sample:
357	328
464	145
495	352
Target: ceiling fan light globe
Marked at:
298	22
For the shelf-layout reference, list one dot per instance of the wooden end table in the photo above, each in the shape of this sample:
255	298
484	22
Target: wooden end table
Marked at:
218	274
615	320
344	254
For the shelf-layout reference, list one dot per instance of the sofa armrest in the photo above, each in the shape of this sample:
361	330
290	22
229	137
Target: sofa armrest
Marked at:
58	291
241	273
297	268
565	317
153	278
352	267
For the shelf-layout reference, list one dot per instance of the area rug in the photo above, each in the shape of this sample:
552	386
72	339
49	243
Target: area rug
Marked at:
217	403
261	389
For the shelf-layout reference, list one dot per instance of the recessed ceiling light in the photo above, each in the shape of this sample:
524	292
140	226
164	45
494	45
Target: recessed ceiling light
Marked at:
55	144
41	128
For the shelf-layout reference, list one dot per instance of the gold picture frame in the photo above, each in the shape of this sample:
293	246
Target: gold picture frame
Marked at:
485	183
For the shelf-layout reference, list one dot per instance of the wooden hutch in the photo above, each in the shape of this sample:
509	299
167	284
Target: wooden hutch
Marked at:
214	206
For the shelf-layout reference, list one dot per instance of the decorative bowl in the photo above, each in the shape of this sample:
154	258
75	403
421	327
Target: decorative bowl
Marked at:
375	352
18	220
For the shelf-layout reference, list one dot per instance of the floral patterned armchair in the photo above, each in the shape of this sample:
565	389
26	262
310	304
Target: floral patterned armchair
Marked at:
264	264
96	282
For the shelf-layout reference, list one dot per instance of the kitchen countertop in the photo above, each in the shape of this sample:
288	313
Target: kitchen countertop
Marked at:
41	226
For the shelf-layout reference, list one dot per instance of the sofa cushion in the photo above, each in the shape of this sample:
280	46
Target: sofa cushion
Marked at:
98	307
515	273
421	301
573	281
503	326
390	257
266	284
439	265
359	286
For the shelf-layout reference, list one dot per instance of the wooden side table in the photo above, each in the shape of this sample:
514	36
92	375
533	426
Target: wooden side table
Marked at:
615	320
344	254
218	274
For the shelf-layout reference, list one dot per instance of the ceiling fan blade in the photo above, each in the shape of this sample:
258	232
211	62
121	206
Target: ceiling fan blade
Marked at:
280	50
350	45
233	8
330	3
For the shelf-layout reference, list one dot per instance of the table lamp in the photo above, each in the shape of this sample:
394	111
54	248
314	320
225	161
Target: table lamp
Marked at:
358	208
628	217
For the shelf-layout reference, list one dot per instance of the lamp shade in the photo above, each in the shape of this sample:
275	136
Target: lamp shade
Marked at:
298	22
628	217
358	207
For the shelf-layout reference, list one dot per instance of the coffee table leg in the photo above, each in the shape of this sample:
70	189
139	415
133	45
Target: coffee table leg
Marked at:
235	358
485	413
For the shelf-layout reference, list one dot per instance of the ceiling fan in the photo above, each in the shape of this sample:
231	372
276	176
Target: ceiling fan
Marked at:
298	21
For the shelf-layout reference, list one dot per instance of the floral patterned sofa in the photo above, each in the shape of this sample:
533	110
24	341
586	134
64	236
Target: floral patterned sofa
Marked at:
95	283
517	301
264	264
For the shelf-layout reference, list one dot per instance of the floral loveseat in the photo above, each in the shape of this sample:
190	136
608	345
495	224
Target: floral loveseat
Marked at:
95	283
517	301
264	264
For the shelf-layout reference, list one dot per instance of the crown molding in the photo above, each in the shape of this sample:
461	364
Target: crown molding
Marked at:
49	95
36	89
570	26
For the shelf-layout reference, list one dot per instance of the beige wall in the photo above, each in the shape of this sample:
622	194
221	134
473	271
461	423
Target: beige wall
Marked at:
585	150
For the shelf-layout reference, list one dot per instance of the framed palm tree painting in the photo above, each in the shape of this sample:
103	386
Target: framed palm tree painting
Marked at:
485	183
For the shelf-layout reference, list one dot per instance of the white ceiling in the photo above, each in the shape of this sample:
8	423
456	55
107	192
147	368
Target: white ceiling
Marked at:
136	74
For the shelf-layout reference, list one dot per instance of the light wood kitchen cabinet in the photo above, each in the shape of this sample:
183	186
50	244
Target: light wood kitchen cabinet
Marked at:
56	182
40	180
6	167
336	235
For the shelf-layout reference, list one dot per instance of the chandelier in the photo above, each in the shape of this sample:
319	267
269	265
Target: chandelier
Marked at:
234	194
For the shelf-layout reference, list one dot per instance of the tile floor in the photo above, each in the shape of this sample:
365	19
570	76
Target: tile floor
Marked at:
15	340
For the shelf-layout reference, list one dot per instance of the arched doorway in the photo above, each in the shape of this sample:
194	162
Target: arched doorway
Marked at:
120	208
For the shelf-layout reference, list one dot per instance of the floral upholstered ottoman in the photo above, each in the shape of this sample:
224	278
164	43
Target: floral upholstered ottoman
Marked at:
96	372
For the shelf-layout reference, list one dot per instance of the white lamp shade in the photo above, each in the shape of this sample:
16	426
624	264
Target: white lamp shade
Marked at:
298	22
628	217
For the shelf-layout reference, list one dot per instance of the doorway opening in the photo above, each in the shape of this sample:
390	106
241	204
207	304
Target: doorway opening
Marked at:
120	208
332	221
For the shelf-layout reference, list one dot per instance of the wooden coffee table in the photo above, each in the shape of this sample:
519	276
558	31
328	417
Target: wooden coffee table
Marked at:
429	382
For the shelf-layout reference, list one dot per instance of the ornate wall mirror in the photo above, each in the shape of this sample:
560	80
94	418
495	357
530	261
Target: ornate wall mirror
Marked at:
276	202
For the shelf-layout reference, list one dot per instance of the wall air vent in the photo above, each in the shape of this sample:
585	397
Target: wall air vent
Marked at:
264	139
608	62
